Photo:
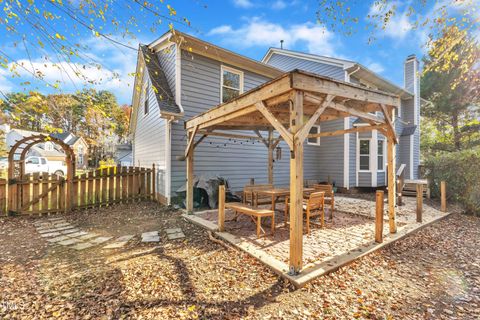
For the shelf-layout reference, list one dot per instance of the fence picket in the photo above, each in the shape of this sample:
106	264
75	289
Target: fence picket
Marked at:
35	191
90	186
45	204
124	184
3	197
117	183
75	195
61	194
54	194
105	179
111	184
98	182
131	192
83	190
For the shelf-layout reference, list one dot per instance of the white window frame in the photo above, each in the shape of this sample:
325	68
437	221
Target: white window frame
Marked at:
369	155
318	138
232	70
383	155
49	146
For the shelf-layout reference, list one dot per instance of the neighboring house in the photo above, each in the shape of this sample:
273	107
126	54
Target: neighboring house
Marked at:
78	145
180	76
123	154
49	150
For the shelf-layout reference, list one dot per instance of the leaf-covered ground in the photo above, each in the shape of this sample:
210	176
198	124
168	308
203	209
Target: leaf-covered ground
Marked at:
433	274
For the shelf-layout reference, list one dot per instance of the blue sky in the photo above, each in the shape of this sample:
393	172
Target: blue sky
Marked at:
244	26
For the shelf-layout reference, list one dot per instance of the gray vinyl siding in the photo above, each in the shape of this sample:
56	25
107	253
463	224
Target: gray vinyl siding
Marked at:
412	82
330	157
236	160
166	57
149	137
288	63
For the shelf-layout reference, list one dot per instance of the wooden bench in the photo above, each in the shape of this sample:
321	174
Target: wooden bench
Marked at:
251	197
255	214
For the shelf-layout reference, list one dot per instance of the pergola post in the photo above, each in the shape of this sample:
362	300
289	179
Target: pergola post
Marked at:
296	185
270	156
391	183
189	157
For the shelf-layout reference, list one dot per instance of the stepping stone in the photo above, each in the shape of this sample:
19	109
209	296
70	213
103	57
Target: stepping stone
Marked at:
68	242
57	239
64	224
151	236
174	236
77	234
47	231
100	240
173	230
88	236
119	242
82	246
51	234
69	231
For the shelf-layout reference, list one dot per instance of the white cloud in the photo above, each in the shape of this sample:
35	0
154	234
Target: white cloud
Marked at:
5	84
243	3
376	67
399	24
258	32
279	5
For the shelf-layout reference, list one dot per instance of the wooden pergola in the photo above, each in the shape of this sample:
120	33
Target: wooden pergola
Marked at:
291	105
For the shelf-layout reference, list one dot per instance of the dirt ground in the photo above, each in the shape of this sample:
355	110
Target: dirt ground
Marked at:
433	274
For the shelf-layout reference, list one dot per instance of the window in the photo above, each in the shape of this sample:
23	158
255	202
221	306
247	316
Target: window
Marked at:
80	159
43	161
364	154
232	84
381	155
145	103
33	160
314	141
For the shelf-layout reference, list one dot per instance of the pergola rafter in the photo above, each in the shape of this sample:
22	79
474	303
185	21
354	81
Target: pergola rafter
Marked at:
291	105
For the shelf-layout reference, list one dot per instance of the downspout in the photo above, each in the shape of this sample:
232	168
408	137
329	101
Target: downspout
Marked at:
168	159
346	141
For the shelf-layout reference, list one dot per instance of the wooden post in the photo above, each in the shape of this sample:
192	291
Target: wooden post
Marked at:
379	217
391	184
221	208
189	200
270	156
69	183
154	183
296	186
443	195
419	202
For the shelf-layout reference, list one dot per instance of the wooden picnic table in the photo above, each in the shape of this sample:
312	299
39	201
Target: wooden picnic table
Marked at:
276	193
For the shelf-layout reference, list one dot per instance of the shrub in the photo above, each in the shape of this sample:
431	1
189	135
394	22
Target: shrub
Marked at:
461	171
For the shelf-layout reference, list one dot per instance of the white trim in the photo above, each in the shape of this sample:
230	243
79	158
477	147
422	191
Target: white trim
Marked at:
231	70
165	37
411	157
374	157
357	159
383	154
168	160
369	155
346	154
310	57
178	78
318	138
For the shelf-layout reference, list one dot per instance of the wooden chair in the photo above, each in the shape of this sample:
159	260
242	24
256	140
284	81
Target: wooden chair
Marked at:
313	206
251	197
329	195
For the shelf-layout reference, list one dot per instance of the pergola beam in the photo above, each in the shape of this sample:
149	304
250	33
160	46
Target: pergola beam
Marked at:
307	126
286	135
390	126
344	131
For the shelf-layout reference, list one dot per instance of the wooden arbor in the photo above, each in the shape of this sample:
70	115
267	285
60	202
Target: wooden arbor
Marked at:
291	105
16	166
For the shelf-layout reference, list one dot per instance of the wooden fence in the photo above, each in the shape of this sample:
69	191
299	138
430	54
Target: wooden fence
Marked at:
39	193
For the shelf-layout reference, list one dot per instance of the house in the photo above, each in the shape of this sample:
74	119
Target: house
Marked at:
78	145
48	150
180	76
123	154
